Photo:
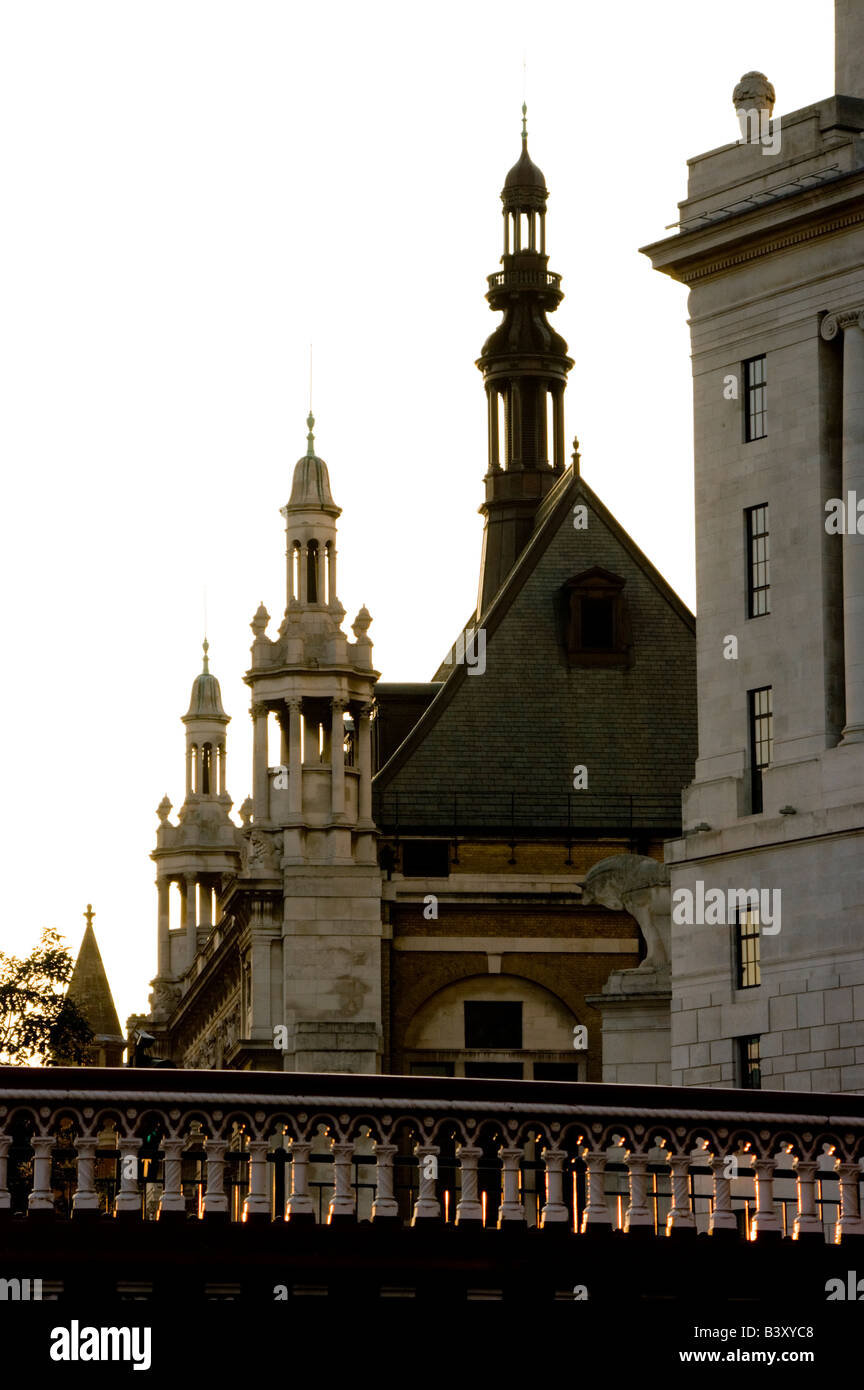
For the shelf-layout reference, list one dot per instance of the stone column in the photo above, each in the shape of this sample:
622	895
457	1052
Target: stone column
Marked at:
342	1201
554	1211
492	399
128	1199
257	1204
680	1220
215	1196
851	322
427	1207
5	1197
163	889
596	1216
189	886
511	1208
807	1221
638	1217
765	1221
260	781
295	762
337	760
385	1206
722	1216
41	1199
300	1205
364	762
86	1199
850	1222
469	1208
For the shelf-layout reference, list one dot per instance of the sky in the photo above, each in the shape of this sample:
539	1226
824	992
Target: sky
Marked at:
196	192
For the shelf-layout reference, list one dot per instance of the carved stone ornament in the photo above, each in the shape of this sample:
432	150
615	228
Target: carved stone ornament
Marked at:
636	884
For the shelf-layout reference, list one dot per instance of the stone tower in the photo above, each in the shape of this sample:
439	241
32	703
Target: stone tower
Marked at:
90	990
195	853
312	826
769	990
524	365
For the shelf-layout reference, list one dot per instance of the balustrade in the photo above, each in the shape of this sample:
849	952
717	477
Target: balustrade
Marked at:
342	1149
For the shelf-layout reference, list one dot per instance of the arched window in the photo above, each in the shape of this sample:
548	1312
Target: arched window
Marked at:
193	754
207	769
328	572
312	572
295	569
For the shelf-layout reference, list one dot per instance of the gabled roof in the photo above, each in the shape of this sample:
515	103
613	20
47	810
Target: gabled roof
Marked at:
552	514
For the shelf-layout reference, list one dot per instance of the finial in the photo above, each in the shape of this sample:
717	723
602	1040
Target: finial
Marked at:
206	646
89	915
576	455
310	438
524	125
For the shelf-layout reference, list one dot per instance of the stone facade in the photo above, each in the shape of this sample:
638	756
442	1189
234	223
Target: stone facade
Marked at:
771	243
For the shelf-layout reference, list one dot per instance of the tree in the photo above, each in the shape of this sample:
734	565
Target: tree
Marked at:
37	1020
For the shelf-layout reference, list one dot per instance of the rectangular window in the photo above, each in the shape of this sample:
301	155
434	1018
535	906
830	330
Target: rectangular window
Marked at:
748	968
432	1069
750	1067
493	1025
761	717
758	561
556	1071
426	858
598	624
755	399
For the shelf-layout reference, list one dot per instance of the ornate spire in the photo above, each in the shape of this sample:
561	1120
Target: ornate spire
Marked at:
206	646
310	438
525	126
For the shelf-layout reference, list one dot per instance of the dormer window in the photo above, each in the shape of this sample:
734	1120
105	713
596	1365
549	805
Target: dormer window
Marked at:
594	619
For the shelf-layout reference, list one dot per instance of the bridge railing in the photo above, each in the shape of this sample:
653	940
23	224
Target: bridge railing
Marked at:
264	1146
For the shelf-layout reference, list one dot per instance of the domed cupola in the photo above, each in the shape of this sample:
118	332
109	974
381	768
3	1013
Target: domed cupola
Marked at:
524	186
311	484
205	702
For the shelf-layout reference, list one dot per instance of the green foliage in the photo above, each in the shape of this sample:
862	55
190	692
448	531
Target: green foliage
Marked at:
37	1021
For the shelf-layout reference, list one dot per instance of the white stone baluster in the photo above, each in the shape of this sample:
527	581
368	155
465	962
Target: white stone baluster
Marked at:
680	1220
722	1216
511	1208
5	1197
215	1197
850	1222
342	1202
554	1211
469	1208
596	1218
385	1207
766	1221
41	1198
808	1222
427	1207
257	1204
86	1199
172	1201
127	1202
638	1218
300	1205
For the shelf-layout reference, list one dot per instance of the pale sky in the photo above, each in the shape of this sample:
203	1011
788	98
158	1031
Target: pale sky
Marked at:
195	191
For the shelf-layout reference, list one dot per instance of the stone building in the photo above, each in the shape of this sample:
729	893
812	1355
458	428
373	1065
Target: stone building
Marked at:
771	243
406	890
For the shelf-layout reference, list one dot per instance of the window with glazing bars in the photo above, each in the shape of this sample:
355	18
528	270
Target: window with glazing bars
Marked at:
755	399
747	963
749	1063
758	562
761	741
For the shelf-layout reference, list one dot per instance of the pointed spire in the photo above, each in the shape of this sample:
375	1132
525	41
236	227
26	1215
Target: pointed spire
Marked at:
206	646
310	438
525	126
